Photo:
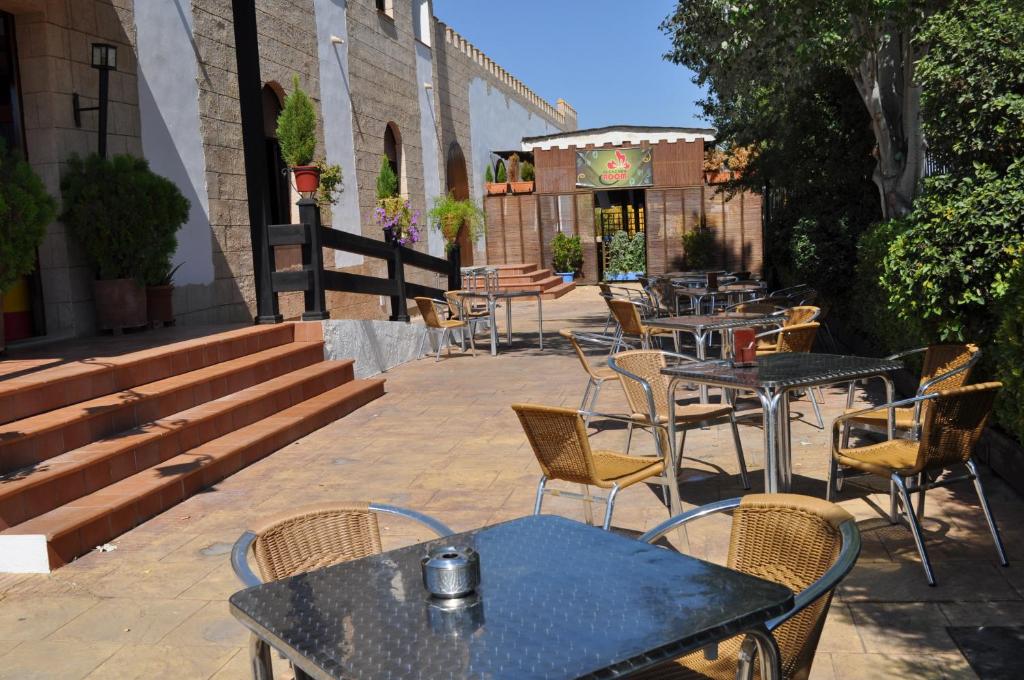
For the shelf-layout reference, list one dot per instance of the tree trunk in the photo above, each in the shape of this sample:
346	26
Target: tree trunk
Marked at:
885	80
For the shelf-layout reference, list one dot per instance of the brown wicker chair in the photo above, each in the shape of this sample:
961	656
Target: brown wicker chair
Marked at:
952	424
596	375
559	440
434	323
631	323
309	538
945	367
646	391
807	545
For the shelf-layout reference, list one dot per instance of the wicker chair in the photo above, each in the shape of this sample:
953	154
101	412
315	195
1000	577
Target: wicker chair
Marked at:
945	367
597	376
434	323
798	337
311	538
646	391
953	423
559	440
631	323
807	545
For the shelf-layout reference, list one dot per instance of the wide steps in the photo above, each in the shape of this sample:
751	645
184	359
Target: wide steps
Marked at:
35	439
559	290
30	492
59	535
52	388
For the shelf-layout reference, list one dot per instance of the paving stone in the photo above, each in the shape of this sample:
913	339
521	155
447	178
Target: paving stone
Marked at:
127	621
54	659
33	618
163	662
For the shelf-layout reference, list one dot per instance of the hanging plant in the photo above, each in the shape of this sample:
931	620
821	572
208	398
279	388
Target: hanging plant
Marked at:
449	214
399	221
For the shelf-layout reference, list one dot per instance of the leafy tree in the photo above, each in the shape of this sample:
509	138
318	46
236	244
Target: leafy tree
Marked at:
296	127
25	210
748	52
387	180
1009	355
972	82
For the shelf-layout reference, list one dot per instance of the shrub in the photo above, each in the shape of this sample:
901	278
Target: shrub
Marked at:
296	127
449	215
948	267
501	177
387	180
618	253
331	183
489	174
869	305
636	254
1008	354
25	210
567	253
124	216
526	171
699	248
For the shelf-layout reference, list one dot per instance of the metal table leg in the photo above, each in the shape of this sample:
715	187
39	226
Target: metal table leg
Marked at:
770	408
702	353
768	655
785	445
675	503
508	321
259	659
540	319
492	309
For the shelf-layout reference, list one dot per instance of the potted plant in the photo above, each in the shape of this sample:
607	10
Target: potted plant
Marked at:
567	252
699	248
500	185
516	182
526	176
393	213
296	133
125	218
160	295
493	188
636	257
450	214
25	210
331	184
618	257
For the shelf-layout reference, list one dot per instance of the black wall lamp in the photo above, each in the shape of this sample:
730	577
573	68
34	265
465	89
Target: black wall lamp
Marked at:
104	60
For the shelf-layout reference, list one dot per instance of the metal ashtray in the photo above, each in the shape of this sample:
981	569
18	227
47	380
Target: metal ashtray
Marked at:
451	572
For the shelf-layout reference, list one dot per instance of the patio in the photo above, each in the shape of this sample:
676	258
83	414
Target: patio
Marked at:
443	440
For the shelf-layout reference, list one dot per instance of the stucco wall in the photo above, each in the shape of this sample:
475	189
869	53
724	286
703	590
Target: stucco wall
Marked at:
429	129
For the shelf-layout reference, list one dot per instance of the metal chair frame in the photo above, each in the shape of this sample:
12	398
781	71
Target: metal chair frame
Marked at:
259	649
848	553
814	393
446	338
901	488
594	383
675	460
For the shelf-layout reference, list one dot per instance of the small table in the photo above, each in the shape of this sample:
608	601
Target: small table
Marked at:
772	379
492	298
558	599
702	326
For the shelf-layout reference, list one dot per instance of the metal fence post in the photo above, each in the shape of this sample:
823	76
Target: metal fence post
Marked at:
396	272
313	261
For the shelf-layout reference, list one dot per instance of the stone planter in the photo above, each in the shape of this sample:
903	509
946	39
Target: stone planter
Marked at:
160	305
120	304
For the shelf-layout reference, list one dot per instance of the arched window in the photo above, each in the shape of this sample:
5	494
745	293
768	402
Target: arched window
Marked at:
457	182
393	152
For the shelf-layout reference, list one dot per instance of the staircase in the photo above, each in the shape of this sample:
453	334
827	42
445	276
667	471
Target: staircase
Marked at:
92	448
529	277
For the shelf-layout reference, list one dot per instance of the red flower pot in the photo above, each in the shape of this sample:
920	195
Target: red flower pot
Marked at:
307	178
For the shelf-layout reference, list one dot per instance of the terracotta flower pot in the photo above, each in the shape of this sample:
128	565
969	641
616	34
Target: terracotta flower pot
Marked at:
522	187
497	188
120	303
159	304
307	178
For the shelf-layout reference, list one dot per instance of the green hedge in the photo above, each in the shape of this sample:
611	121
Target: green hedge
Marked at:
1008	355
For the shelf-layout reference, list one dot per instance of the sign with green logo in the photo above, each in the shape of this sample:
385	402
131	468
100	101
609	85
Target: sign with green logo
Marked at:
614	168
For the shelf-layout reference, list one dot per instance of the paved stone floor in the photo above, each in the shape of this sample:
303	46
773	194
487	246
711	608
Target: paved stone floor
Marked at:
444	440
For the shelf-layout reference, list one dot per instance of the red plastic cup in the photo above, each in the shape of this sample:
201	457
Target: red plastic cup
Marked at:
744	345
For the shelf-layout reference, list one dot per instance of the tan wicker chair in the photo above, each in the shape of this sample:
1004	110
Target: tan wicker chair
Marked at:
803	543
309	538
559	440
443	327
796	338
945	367
952	425
646	391
596	375
631	323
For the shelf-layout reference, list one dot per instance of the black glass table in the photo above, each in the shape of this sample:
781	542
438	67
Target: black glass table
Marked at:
558	599
772	379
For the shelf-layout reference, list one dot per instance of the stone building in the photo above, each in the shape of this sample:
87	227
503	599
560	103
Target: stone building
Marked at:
386	76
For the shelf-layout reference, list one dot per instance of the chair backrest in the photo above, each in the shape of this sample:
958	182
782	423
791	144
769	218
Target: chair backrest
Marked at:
646	364
627	315
314	537
939	359
428	312
558	437
801	314
574	340
953	423
454	303
798	338
792	540
755	308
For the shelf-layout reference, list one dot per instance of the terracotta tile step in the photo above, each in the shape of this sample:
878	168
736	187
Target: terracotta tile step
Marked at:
530	277
559	290
77	381
57	537
40	437
514	267
30	492
542	284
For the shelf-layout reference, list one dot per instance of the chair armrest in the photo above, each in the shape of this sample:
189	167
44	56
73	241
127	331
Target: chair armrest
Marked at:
837	423
436	526
240	560
607	416
674	522
923	389
906	353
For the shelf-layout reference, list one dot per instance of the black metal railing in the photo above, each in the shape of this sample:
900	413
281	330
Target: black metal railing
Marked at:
314	280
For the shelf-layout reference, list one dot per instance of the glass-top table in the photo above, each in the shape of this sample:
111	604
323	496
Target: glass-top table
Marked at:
492	297
558	599
772	379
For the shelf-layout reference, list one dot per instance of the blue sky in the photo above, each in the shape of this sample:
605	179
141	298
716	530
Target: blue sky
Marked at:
602	56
